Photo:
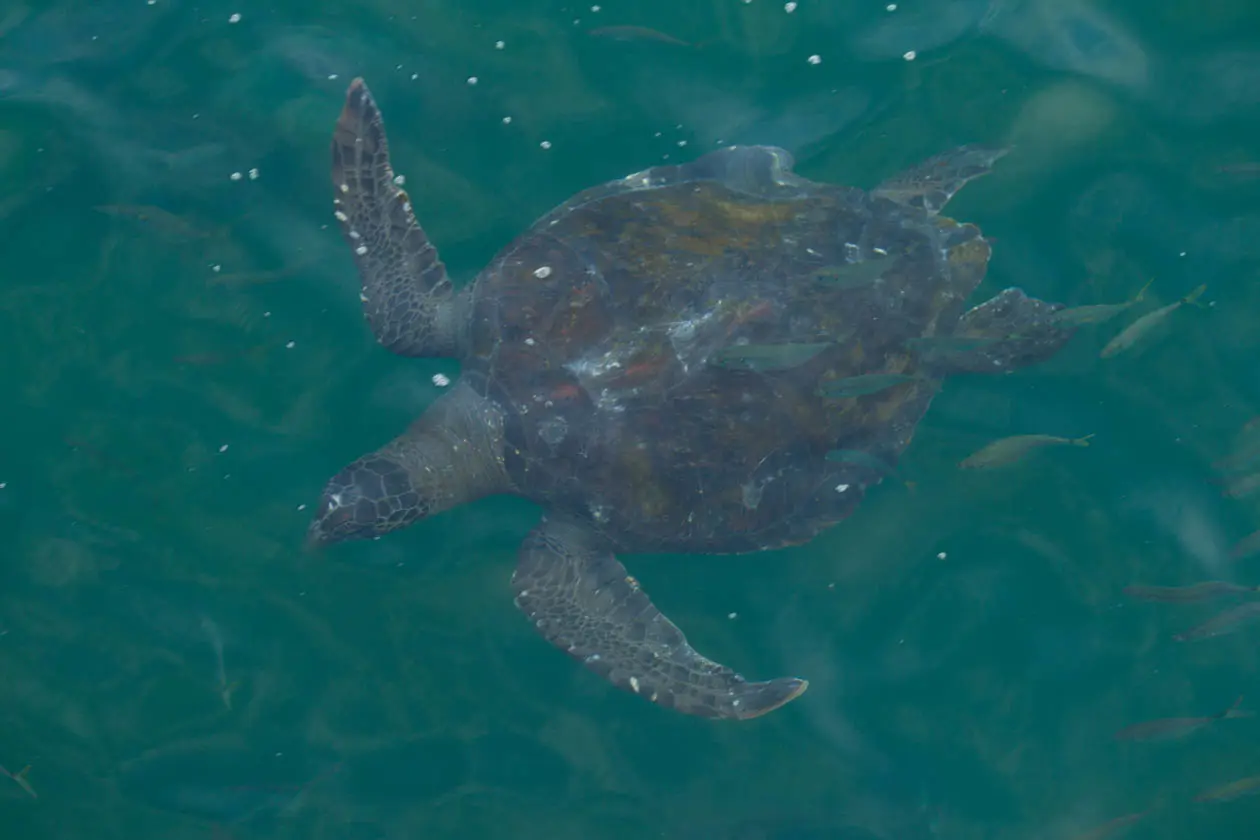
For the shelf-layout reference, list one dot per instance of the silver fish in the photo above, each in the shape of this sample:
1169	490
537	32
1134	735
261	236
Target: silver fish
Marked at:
1222	623
853	275
1011	449
766	357
1098	313
859	386
1195	592
1142	327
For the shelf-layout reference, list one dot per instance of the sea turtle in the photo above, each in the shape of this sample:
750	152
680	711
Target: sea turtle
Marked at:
648	362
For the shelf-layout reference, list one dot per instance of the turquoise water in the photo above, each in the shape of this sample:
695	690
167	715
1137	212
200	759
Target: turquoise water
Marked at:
186	363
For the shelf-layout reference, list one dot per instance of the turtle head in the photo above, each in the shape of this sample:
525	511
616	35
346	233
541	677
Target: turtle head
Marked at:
372	496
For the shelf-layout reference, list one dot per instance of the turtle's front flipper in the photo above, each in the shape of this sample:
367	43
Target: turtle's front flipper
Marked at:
931	184
407	297
582	601
1007	332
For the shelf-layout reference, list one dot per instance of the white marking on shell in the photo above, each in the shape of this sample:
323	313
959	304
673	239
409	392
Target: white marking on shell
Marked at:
361	250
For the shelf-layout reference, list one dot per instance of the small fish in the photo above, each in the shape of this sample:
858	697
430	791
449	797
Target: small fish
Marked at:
163	221
766	357
853	275
1234	790
210	359
633	34
1240	486
860	386
1167	729
1113	828
1195	592
1247	169
866	459
1011	449
1246	547
20	778
1222	623
256	278
216	641
1241	458
1142	327
1099	313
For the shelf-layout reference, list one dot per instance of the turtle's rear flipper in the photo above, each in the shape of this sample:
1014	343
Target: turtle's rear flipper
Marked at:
931	184
407	297
1005	333
582	601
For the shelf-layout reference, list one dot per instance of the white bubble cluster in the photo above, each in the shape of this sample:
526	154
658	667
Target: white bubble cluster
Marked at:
441	380
814	59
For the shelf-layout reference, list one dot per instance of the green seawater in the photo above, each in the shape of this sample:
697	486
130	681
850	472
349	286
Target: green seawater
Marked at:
184	363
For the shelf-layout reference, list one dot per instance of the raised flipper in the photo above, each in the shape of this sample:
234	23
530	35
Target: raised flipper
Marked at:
1005	333
582	601
407	297
930	185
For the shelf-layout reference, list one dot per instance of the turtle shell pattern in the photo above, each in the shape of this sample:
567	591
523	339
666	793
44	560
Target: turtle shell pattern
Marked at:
599	330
